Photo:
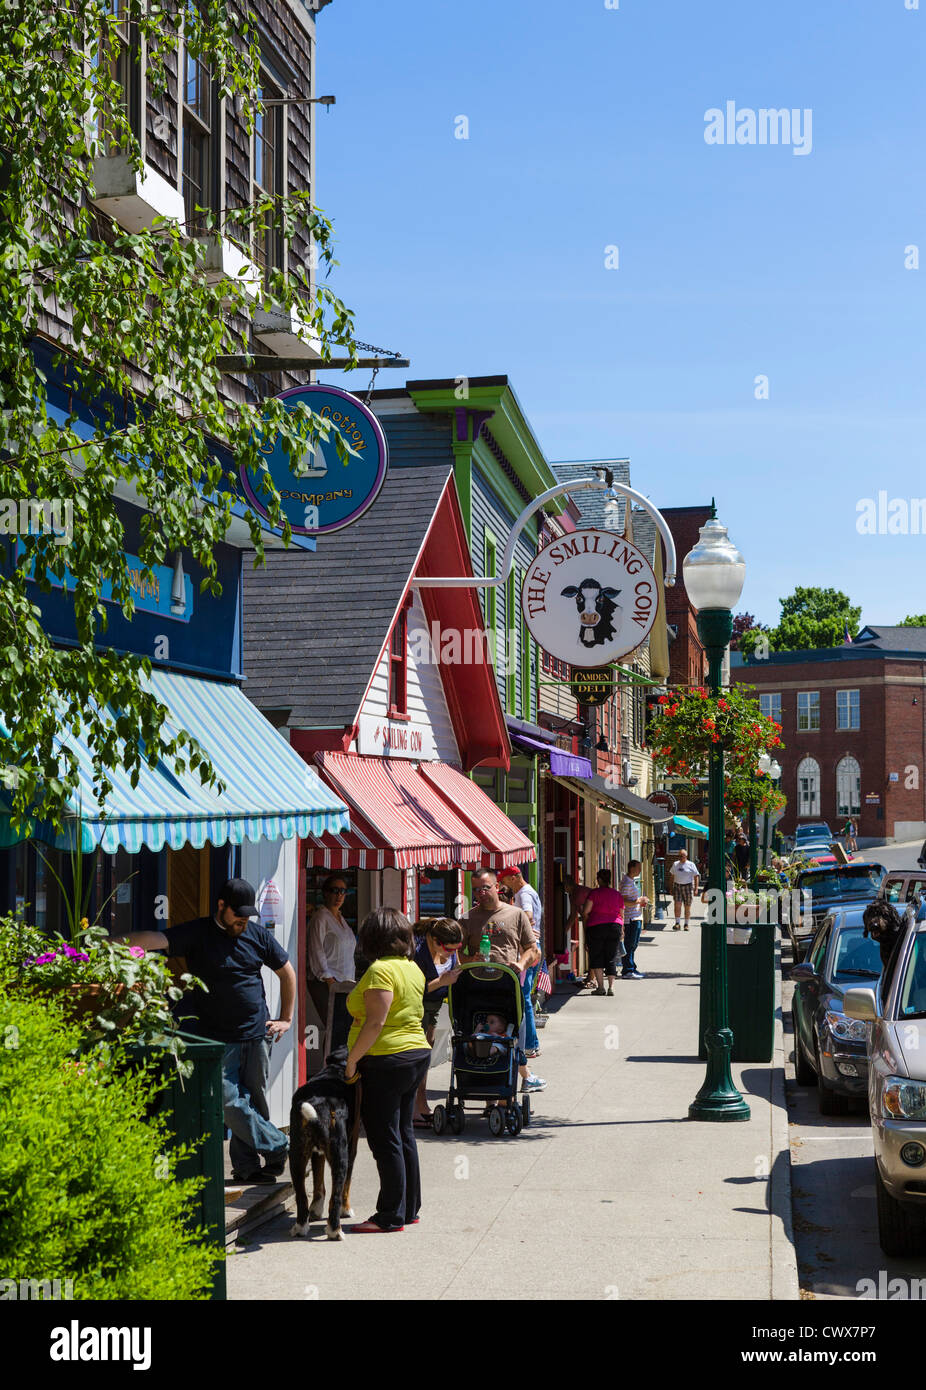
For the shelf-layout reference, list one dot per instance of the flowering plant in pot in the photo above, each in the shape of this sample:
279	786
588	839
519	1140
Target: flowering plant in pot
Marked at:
688	725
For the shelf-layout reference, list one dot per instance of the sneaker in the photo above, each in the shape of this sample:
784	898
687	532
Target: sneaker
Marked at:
610	989
262	1177
634	975
602	990
686	926
677	927
532	1052
275	1164
533	1083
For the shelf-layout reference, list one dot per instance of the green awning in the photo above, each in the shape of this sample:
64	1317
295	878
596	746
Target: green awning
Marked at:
690	827
270	792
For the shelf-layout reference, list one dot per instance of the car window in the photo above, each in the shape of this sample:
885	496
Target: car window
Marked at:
893	888
912	996
855	954
915	886
836	883
818	951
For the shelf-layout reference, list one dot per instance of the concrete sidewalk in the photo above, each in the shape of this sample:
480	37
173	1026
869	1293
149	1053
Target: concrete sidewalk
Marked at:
611	1193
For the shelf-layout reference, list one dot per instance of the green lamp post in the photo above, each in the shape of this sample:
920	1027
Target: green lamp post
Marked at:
714	574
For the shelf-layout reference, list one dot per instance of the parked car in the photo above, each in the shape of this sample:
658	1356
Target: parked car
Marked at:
829	1048
921	857
817	832
902	886
896	1012
831	886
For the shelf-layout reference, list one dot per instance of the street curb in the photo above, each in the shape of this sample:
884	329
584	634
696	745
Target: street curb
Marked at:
785	1284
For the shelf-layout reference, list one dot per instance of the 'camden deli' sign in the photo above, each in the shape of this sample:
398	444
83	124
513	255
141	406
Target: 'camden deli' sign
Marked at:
333	492
590	598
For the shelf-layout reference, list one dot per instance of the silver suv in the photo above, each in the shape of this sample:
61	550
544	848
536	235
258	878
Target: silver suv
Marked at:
896	1010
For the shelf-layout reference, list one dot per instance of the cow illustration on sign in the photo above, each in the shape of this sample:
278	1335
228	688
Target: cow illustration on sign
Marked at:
596	610
590	597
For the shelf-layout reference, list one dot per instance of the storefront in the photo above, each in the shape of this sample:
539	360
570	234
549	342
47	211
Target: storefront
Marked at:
155	852
377	695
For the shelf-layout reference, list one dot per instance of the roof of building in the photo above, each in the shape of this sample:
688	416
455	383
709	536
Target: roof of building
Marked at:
314	626
644	533
892	639
597	509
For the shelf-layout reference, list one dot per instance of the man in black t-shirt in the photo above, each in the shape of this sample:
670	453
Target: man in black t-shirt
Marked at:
226	951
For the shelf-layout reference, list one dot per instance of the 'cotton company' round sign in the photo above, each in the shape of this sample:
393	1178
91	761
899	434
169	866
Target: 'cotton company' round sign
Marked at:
333	493
590	598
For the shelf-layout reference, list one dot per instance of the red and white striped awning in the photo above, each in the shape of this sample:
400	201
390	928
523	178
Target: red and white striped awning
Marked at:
399	820
504	843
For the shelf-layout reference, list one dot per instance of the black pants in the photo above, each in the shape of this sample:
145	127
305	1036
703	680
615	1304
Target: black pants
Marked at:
387	1106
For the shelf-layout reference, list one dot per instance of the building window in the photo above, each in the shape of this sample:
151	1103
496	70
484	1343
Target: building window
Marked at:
847	709
268	174
808	787
848	785
200	159
808	710
125	72
398	665
770	706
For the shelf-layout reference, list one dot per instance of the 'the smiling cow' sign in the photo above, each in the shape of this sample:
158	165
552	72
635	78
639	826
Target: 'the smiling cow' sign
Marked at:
590	598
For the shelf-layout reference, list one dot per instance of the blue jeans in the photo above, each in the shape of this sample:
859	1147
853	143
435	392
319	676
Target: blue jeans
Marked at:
632	934
245	1069
531	1041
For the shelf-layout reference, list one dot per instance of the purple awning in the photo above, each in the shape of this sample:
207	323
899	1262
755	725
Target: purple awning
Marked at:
568	764
530	745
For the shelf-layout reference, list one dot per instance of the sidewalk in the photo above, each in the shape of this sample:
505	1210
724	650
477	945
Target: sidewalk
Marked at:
612	1192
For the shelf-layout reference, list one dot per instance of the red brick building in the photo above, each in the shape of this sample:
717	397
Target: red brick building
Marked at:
854	727
687	661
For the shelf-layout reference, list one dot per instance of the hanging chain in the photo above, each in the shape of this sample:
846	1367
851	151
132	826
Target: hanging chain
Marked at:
379	352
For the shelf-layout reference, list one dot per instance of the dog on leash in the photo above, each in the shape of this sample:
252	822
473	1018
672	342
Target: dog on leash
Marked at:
323	1124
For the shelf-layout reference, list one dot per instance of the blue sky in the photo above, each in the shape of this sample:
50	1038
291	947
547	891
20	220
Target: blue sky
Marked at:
586	130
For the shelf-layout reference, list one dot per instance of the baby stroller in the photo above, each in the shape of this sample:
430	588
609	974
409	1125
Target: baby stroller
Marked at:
483	1065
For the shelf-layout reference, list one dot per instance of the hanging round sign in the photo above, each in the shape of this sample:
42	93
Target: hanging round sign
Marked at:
334	492
589	598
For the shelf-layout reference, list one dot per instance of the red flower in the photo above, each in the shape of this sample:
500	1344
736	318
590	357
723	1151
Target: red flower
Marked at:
722	704
663	700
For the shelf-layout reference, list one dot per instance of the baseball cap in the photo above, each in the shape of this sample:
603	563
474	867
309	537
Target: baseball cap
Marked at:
239	896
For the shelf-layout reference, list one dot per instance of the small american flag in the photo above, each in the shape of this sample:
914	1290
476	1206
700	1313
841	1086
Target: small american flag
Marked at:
544	983
846	640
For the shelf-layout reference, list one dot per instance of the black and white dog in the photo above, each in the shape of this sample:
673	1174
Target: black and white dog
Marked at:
323	1124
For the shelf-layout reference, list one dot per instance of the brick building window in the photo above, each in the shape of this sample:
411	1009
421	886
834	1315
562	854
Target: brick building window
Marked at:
847	709
808	710
770	705
848	786
808	787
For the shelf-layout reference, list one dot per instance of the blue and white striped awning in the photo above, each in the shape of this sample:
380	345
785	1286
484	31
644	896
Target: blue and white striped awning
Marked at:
270	792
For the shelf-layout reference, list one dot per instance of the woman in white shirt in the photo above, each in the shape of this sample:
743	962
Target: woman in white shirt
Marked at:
330	952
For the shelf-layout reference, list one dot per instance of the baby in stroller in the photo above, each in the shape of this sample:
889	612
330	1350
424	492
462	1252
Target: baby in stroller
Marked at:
479	1047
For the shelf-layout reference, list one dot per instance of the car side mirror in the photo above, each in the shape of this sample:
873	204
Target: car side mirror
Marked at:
860	1004
804	971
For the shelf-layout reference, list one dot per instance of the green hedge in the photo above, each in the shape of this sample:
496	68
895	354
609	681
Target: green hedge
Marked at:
86	1187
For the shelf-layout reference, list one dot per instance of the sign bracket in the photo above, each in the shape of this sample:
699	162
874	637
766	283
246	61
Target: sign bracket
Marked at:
599	483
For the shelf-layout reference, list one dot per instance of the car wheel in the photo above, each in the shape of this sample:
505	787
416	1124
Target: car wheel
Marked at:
900	1232
831	1102
804	1073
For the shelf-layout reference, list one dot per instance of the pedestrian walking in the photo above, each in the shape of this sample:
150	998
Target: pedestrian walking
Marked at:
741	854
684	876
603	914
634	903
528	900
389	1051
848	831
511	942
330	949
227	951
437	942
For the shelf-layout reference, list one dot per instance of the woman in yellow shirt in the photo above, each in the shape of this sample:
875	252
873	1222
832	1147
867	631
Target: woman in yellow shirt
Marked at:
388	1048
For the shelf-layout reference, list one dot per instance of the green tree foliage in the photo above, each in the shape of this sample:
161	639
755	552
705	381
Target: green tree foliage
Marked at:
86	1191
140	311
917	620
810	617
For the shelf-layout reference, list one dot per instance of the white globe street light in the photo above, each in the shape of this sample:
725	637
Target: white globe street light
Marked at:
714	570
